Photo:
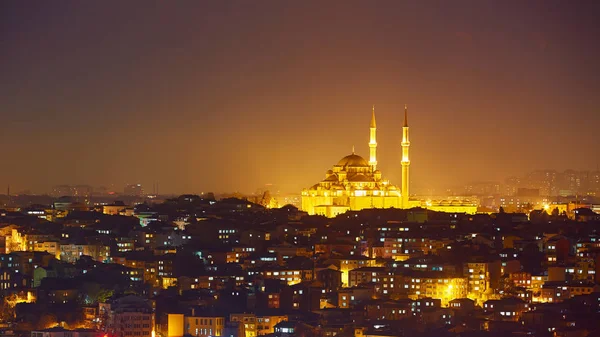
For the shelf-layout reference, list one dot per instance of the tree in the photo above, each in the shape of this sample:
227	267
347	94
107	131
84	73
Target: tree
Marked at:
265	201
94	292
7	308
187	264
507	286
526	208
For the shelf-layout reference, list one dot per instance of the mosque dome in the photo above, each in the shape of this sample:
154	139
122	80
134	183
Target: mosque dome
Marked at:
359	178
353	160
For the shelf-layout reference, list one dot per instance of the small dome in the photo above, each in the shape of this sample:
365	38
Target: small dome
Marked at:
377	172
331	177
329	172
352	160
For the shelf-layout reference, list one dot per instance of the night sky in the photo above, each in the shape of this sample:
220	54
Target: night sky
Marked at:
228	96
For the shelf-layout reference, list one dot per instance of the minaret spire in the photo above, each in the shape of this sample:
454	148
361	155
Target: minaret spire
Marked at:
405	160
352	149
373	141
373	124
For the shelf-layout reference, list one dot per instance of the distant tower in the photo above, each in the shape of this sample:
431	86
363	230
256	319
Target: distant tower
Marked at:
405	160
373	142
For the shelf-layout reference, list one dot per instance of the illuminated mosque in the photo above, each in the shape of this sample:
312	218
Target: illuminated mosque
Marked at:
355	184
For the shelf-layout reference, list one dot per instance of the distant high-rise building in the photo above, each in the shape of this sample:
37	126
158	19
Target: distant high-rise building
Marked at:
134	190
511	185
482	188
594	183
528	192
544	180
569	183
62	191
72	191
555	184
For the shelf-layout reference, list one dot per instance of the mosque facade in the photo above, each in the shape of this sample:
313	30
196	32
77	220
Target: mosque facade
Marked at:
355	183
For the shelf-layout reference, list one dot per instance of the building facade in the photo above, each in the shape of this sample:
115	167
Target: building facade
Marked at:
129	316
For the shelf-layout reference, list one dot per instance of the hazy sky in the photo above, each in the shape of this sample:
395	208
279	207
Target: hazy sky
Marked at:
231	95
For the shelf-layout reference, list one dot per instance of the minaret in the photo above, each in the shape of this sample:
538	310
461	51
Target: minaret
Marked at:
373	142
405	160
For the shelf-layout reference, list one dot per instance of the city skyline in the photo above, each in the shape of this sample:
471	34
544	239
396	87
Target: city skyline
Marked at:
154	187
565	183
228	97
310	168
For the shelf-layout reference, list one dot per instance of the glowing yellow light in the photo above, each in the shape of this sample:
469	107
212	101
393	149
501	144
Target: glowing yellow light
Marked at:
345	277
